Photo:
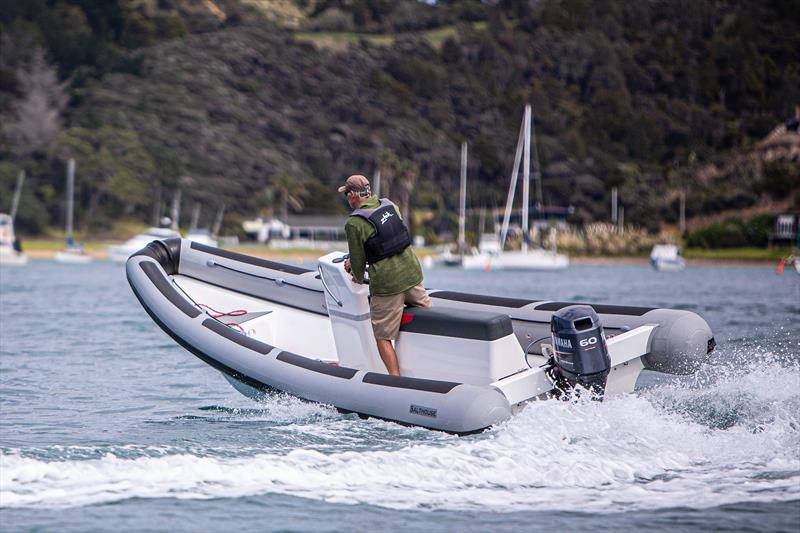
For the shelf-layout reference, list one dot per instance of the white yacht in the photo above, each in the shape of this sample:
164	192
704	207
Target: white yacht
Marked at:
489	255
203	236
493	257
73	253
10	250
120	253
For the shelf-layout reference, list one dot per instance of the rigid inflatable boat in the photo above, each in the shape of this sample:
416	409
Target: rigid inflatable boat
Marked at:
468	362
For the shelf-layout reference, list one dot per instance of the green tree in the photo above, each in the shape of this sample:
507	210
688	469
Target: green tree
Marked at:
112	164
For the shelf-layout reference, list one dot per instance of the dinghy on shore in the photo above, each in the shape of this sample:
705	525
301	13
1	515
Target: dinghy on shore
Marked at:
467	363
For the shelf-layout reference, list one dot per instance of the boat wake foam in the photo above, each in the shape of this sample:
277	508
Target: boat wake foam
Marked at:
736	439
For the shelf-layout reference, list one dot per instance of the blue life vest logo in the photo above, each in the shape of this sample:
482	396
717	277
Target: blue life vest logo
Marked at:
386	217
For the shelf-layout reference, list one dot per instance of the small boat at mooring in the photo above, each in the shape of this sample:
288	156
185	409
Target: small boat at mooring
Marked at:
11	253
467	363
119	253
74	252
667	258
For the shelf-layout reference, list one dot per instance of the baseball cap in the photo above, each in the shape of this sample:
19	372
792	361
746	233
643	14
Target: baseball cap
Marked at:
355	183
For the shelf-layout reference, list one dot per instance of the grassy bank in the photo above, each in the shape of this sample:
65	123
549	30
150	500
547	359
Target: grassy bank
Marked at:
54	245
737	254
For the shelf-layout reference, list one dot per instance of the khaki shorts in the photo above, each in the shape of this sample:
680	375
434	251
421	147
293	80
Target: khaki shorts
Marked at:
387	311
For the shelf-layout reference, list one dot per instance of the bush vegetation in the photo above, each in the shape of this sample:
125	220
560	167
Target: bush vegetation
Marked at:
151	96
734	232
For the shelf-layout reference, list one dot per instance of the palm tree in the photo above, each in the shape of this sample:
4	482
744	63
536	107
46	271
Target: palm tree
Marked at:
288	191
387	164
407	173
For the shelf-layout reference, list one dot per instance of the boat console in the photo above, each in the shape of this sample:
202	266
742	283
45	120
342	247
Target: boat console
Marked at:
476	347
468	346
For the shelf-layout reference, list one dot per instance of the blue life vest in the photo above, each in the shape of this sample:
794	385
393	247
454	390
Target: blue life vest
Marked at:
391	234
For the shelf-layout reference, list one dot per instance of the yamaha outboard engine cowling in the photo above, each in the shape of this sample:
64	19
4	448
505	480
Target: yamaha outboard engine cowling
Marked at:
581	354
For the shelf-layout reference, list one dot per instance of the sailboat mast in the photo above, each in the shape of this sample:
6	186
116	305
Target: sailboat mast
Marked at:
17	193
537	170
513	187
462	208
526	178
70	196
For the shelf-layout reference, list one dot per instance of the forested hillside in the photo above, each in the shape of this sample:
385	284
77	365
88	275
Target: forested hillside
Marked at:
263	104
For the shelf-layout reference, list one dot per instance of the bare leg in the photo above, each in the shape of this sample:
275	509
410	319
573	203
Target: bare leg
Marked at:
389	356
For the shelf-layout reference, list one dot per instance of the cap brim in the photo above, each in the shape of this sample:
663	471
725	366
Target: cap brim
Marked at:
343	188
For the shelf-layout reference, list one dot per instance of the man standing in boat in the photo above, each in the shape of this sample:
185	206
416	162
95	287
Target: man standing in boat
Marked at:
377	235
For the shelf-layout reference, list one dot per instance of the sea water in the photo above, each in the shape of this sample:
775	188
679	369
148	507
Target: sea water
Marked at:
107	424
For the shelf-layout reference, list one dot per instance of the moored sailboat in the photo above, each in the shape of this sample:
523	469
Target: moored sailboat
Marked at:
74	252
527	258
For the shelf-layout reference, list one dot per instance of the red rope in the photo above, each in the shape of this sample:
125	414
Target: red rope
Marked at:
235	312
235	325
219	314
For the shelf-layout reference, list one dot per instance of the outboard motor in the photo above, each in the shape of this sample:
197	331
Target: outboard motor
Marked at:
581	354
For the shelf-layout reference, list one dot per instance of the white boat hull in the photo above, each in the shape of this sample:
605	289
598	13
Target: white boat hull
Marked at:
667	265
479	261
537	260
121	252
11	257
73	257
308	333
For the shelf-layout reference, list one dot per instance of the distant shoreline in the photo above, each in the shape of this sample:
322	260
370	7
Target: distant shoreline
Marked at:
644	261
45	249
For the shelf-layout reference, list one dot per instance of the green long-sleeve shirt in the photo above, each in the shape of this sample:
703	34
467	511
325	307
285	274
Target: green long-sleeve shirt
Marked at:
392	275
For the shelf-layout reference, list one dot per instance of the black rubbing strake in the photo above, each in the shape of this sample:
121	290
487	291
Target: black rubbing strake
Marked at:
167	253
497	301
239	338
165	287
317	366
403	382
599	308
280	267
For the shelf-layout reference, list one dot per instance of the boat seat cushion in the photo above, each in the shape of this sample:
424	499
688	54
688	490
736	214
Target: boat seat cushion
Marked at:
459	323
